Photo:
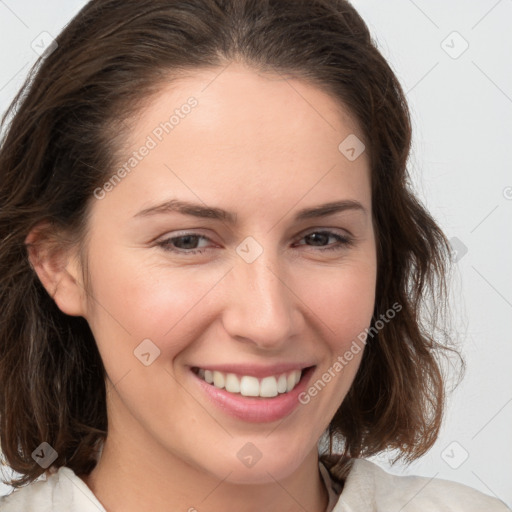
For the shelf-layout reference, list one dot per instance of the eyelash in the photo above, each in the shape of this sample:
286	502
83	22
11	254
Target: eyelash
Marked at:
344	241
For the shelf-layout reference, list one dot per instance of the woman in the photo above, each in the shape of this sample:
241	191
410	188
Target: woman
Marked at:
214	268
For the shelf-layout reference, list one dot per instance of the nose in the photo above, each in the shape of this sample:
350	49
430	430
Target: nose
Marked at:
261	307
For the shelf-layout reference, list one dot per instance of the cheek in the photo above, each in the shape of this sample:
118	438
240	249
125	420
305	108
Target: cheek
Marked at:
134	303
343	304
341	298
133	299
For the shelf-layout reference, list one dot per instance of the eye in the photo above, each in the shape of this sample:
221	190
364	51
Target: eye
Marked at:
319	238
187	241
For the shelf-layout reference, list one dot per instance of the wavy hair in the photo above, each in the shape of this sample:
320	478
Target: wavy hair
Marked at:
59	146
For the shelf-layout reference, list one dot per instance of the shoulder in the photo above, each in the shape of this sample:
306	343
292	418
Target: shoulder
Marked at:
61	491
369	487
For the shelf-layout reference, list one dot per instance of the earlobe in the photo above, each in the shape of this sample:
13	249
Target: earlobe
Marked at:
58	269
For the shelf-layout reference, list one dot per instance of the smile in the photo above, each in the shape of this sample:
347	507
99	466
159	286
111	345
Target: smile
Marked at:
258	394
248	385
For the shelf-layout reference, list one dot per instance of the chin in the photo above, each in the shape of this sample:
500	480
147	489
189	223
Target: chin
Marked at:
252	466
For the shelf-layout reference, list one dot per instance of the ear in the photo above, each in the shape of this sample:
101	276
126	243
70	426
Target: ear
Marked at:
57	265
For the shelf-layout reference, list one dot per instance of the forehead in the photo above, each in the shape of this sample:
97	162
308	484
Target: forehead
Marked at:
236	103
250	135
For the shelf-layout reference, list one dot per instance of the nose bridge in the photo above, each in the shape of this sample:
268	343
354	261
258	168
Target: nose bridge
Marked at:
260	304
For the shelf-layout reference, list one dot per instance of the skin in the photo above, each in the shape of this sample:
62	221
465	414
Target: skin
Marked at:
264	159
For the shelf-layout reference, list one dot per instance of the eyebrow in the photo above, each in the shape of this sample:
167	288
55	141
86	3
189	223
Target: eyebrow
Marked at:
209	212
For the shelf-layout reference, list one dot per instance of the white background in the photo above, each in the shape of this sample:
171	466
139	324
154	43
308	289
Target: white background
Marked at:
461	165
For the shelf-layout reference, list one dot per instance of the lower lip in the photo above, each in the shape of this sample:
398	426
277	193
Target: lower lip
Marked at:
256	410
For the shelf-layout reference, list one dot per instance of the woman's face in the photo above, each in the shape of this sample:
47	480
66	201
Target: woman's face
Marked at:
256	292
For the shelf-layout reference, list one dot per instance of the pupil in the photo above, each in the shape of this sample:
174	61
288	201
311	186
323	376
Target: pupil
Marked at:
314	237
187	239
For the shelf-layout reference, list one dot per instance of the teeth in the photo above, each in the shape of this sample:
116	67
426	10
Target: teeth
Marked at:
232	383
282	384
268	387
248	385
218	380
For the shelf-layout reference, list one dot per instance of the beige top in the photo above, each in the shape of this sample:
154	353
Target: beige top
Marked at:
368	488
333	487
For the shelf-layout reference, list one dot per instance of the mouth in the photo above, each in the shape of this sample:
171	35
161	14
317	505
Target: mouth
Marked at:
254	399
250	385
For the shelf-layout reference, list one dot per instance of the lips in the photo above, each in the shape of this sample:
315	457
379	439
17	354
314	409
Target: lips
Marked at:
255	409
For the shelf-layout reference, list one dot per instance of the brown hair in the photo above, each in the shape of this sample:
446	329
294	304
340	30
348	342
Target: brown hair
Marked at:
59	147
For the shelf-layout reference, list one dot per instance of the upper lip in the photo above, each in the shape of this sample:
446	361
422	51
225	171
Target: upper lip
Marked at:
255	370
